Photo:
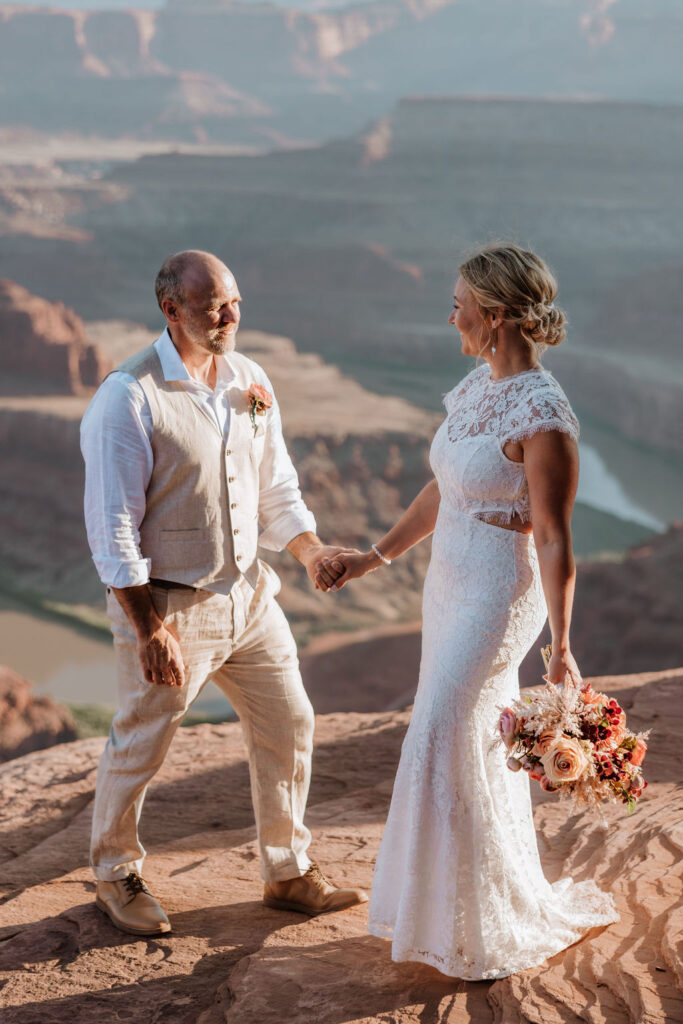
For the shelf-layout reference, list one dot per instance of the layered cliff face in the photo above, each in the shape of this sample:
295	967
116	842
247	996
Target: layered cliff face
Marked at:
27	722
44	346
312	70
229	960
352	247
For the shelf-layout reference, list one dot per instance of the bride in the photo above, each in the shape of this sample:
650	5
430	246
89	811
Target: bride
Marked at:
458	882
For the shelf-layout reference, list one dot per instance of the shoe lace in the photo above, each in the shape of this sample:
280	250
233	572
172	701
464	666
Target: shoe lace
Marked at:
135	884
316	875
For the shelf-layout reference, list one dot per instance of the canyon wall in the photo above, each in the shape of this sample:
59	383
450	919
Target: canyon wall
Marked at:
44	347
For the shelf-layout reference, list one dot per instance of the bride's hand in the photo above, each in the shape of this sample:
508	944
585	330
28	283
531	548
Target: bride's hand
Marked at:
562	665
335	573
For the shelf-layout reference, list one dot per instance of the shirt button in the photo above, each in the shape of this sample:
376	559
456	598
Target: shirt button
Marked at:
228	452
231	479
234	505
235	531
238	558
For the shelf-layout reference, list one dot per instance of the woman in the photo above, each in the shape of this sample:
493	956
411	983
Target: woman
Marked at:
458	882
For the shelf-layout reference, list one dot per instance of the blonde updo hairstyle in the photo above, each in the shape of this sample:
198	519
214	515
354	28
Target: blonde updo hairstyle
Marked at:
502	274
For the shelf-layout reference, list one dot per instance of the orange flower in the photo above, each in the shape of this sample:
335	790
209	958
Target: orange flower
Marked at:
565	761
590	696
618	728
260	399
638	753
545	741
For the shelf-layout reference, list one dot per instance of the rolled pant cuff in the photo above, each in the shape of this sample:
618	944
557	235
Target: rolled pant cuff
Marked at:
108	874
294	868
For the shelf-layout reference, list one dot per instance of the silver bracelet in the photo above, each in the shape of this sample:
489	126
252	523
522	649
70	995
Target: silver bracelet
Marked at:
387	561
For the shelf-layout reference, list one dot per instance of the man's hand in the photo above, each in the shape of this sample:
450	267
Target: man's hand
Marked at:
311	552
161	658
158	649
336	571
321	565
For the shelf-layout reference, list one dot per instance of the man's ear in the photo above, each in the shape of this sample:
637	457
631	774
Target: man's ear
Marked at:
170	310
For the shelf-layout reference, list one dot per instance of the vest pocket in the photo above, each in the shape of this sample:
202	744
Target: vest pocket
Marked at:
182	536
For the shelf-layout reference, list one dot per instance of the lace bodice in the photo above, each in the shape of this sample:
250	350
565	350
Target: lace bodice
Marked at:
484	414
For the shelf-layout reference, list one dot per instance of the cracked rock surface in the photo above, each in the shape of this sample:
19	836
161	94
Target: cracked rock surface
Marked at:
229	960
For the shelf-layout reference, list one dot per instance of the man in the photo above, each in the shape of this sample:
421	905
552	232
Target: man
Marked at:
184	456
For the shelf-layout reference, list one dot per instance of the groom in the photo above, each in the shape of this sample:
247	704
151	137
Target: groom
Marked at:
184	457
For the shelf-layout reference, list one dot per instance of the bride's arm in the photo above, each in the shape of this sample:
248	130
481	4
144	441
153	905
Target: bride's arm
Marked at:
416	523
551	464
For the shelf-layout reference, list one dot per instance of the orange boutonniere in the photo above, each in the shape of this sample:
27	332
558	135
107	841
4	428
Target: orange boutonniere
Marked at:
260	402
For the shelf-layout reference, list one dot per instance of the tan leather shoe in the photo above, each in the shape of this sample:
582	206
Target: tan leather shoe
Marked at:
129	905
310	894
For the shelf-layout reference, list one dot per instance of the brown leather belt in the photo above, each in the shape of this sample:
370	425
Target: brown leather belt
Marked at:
172	585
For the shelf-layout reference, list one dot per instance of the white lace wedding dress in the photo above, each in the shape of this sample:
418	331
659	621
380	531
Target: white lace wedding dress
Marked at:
458	882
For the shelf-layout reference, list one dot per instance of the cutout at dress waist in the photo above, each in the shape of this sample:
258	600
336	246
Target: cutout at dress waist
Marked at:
500	519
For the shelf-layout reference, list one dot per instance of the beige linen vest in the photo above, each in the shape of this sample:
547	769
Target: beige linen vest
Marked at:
201	515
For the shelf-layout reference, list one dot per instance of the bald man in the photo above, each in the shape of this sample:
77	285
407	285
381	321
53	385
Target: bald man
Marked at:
184	460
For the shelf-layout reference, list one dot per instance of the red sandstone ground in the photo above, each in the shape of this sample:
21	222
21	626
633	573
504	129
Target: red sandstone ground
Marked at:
230	961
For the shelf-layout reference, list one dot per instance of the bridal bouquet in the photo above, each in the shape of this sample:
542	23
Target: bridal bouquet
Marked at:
574	741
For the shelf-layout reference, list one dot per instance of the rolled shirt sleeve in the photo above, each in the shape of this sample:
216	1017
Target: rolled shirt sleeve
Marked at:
116	435
283	514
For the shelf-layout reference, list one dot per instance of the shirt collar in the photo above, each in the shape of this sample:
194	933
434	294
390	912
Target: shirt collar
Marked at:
173	368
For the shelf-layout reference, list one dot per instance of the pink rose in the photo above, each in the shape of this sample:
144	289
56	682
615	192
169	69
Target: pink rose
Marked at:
566	761
507	726
638	753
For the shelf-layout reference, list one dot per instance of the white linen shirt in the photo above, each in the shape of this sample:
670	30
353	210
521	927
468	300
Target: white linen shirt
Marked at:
116	434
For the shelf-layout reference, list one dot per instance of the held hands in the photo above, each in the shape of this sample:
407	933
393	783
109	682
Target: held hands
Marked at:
333	573
313	560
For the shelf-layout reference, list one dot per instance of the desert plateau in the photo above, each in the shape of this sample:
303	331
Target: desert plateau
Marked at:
229	960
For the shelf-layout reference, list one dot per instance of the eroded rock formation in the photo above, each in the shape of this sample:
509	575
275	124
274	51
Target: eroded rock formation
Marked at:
231	961
27	722
44	346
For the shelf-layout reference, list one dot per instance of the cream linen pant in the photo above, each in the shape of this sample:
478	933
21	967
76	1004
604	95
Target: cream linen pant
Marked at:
244	643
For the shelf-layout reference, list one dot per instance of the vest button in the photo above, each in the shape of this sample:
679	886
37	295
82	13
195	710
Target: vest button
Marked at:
228	452
234	505
231	479
238	558
235	531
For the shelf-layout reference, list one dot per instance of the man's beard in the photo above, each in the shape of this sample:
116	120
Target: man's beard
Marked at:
217	343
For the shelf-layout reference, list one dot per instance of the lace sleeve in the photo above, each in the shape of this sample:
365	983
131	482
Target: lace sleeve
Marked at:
545	408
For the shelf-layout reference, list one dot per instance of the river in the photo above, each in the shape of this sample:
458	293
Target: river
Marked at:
68	663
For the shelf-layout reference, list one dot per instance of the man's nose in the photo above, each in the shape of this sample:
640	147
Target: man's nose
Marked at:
231	316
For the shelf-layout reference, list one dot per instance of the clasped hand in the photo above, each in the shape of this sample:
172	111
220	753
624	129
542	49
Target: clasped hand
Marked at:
332	572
